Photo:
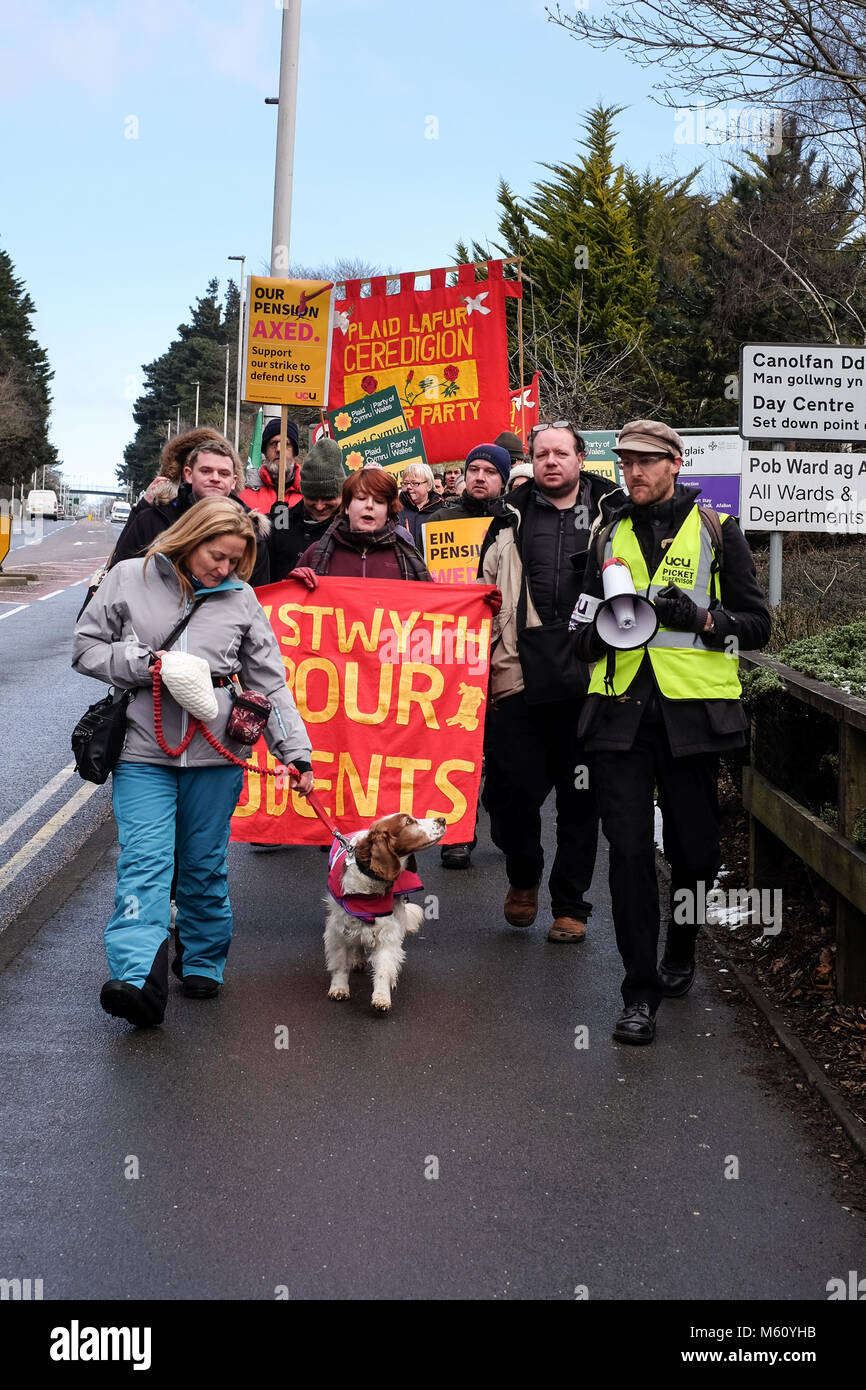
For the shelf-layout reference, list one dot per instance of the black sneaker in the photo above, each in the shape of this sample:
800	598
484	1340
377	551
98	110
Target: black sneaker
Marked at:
457	857
122	1000
636	1024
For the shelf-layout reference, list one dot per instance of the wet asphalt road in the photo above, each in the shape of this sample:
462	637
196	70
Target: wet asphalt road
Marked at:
462	1147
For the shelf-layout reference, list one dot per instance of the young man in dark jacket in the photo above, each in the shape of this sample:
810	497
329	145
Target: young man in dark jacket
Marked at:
210	469
532	744
658	716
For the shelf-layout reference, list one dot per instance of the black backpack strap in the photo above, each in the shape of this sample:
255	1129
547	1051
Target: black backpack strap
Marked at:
710	519
177	630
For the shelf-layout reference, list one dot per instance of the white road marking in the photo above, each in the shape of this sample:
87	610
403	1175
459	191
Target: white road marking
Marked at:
8	827
19	609
52	595
18	863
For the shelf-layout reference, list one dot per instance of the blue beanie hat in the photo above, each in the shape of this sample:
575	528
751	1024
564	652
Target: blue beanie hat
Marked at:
491	453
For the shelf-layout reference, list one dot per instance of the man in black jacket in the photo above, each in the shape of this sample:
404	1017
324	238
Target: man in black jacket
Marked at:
485	473
658	716
293	529
535	555
211	469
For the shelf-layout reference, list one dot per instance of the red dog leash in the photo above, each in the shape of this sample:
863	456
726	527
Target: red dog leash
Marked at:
195	725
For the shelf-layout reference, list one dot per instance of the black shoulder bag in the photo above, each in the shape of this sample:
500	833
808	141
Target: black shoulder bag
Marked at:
551	669
97	739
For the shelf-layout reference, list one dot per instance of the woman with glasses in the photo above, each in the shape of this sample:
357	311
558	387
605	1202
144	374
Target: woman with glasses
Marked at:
417	499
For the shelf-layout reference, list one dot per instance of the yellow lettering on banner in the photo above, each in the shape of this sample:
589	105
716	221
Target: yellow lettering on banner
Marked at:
408	767
422	698
403	630
438	620
293	637
253	786
455	796
386	685
317	615
300	804
365	801
332	703
346	640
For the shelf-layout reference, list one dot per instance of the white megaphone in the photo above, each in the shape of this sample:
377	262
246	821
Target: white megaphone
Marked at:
624	619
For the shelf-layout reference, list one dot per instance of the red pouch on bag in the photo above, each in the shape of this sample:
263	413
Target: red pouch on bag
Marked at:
248	718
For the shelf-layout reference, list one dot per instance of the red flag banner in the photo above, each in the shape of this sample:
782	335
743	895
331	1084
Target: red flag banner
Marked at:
444	349
525	408
390	678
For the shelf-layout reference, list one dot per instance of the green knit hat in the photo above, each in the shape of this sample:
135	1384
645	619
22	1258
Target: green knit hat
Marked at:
322	471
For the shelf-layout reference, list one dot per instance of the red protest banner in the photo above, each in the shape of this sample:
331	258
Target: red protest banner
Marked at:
525	408
444	348
380	670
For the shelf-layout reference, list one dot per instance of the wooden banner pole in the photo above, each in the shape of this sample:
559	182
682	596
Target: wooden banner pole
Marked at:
284	448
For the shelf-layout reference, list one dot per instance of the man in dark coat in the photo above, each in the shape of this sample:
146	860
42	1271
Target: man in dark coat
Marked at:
485	471
657	716
535	554
294	529
210	469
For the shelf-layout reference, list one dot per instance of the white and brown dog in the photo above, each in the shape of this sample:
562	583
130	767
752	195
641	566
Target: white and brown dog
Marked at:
368	915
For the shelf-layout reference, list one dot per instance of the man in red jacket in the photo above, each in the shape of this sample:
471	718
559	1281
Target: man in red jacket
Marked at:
263	498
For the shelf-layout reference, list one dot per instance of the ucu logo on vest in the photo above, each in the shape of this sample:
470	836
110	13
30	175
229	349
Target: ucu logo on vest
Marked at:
685	563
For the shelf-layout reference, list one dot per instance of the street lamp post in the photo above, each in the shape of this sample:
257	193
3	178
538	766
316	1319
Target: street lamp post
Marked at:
226	405
197	389
241	290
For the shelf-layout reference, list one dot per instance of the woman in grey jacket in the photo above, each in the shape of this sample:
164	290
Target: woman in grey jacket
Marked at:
196	568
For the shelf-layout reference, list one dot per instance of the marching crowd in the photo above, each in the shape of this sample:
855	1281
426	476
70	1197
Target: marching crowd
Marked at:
606	727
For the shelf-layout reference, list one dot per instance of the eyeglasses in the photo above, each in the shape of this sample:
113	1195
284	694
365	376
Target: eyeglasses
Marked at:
645	461
557	425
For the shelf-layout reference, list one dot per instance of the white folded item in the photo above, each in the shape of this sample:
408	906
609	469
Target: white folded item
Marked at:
188	681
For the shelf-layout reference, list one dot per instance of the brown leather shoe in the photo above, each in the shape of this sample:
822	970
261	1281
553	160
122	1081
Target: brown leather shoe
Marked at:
521	906
567	929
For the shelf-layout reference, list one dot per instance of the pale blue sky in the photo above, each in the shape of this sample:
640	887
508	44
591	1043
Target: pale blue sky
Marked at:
116	237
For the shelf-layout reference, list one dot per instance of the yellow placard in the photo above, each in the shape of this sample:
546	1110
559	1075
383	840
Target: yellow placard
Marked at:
5	536
452	548
287	343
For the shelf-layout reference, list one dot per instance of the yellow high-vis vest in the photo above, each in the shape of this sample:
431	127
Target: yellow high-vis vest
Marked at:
684	668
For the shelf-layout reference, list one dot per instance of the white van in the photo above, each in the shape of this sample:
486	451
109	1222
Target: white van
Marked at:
120	511
42	503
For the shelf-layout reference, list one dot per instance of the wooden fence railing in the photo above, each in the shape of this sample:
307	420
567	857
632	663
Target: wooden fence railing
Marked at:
777	821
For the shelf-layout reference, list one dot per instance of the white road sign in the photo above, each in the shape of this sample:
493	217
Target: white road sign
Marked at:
806	390
711	453
804	492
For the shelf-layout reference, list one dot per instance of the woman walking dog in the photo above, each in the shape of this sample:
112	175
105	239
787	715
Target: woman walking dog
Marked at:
194	572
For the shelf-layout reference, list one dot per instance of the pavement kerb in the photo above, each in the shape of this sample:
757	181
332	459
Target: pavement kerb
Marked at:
812	1071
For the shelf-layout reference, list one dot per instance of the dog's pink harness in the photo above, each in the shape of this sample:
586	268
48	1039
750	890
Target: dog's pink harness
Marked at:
366	906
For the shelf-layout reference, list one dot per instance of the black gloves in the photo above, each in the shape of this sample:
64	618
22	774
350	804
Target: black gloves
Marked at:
676	610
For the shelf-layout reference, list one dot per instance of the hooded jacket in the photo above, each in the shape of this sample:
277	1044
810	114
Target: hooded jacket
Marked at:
692	726
502	560
149	519
129	617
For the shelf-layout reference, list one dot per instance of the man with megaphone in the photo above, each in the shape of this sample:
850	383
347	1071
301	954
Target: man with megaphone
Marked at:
670	597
